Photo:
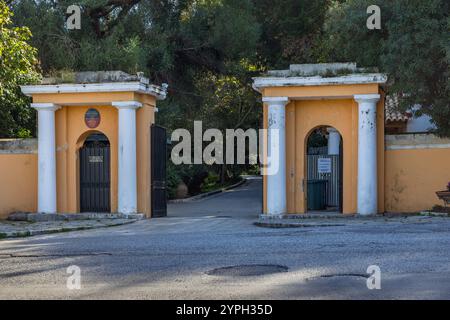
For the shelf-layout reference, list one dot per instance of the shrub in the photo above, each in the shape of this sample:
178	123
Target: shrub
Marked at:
211	182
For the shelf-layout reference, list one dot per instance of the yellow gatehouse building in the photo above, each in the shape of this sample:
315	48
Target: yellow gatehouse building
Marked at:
364	170
93	152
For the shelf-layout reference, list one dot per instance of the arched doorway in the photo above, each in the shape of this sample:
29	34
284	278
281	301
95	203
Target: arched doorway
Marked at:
324	170
95	175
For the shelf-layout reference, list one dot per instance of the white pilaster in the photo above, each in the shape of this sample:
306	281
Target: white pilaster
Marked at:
334	142
127	198
367	154
46	157
276	176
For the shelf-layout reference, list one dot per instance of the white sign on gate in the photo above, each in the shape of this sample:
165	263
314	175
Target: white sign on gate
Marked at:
324	165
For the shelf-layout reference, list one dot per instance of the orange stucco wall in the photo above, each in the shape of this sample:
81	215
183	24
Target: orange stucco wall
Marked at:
18	183
413	177
306	113
71	132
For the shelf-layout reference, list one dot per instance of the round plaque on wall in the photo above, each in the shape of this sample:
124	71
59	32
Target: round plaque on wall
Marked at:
92	118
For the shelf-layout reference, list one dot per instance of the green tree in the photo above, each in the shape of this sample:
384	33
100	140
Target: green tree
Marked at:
195	46
206	50
290	30
18	66
412	47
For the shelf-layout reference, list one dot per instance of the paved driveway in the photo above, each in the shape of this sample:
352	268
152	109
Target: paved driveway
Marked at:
244	202
170	258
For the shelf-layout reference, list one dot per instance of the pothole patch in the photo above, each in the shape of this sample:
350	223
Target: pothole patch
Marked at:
248	270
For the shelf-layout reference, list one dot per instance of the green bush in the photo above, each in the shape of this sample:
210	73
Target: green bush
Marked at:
211	182
173	180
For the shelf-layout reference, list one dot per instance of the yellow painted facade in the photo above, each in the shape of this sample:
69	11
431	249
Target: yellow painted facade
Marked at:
18	190
71	132
413	177
18	183
310	108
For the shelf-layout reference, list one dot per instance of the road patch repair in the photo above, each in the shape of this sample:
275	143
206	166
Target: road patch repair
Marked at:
21	225
247	270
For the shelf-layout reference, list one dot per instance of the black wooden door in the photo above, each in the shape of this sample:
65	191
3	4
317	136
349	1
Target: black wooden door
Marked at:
95	179
159	158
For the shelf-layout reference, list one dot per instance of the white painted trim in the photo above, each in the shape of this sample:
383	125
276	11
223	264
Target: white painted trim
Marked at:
127	164
275	100
139	87
367	192
126	104
47	194
418	146
368	78
45	106
367	98
276	156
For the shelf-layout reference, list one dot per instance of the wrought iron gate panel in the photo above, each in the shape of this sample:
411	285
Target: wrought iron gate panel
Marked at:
95	180
333	178
159	159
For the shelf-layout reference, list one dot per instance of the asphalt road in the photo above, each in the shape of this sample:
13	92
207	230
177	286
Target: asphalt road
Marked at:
172	258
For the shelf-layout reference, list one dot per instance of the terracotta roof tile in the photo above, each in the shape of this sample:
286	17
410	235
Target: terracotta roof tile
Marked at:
391	110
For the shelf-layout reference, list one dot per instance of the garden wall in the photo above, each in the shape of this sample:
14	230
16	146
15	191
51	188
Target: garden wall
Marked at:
416	166
18	176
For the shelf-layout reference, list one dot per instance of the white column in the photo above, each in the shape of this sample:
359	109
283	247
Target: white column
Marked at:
334	142
127	198
46	157
367	154
276	143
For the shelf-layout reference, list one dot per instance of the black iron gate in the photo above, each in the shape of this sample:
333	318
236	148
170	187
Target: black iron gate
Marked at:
159	158
95	179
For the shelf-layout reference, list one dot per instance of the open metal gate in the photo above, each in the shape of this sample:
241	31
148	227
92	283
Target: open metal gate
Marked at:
159	159
95	181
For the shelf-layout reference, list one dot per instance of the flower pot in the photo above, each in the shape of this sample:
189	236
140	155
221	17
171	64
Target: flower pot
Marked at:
182	191
444	196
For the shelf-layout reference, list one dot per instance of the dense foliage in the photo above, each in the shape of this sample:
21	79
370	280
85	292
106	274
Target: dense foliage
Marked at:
18	65
413	47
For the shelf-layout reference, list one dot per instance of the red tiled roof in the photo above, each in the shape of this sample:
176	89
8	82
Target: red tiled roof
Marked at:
391	110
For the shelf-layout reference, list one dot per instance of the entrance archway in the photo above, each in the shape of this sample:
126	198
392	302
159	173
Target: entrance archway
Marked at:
324	170
95	175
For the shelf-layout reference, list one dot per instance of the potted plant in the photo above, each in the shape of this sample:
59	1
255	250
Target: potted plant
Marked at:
445	195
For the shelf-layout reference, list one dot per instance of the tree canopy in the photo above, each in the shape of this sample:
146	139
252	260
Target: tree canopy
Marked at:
412	47
18	65
189	42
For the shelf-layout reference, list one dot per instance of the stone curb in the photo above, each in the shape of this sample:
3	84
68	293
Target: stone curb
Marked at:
209	194
275	225
311	220
38	217
325	216
31	233
289	217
